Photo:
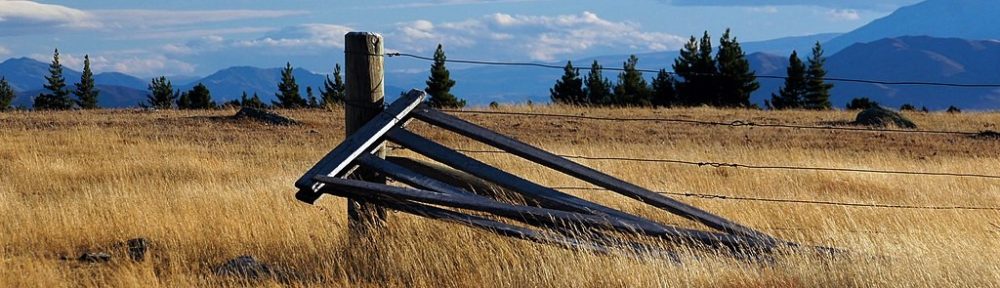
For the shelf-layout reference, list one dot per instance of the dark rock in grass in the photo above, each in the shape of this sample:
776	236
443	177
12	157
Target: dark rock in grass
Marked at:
94	257
881	117
265	116
137	248
988	135
245	267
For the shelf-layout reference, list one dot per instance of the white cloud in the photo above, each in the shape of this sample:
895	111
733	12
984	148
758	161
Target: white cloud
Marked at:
436	3
301	36
134	62
134	18
543	38
763	9
843	14
27	17
4	51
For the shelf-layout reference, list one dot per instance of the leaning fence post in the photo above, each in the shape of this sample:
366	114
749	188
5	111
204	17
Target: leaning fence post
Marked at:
363	63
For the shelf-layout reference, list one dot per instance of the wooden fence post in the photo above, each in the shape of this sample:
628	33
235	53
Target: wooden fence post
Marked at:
363	63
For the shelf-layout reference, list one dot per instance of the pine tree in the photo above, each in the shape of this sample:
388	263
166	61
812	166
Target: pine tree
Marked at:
817	95
596	87
161	93
569	89
58	96
86	91
631	89
184	101
288	91
792	94
6	94
439	84
664	94
200	98
335	91
736	81
313	102
696	67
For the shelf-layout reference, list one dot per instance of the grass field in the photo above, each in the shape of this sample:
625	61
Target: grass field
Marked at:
205	188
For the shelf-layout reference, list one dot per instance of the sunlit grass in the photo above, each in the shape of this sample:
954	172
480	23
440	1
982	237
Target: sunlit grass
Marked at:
205	189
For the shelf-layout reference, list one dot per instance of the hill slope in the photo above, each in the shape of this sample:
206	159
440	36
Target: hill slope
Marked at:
969	19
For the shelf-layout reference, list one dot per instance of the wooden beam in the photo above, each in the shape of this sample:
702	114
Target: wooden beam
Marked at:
339	160
473	202
494	226
513	146
462	180
548	197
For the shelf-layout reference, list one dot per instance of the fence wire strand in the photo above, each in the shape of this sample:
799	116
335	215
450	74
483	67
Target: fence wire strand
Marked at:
832	79
734	123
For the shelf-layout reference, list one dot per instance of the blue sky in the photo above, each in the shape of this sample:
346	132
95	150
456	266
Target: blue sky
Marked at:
185	37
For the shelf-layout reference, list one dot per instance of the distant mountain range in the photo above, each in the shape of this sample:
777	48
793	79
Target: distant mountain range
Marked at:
967	19
894	48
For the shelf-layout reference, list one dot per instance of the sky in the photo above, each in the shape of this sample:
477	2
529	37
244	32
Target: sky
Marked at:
196	38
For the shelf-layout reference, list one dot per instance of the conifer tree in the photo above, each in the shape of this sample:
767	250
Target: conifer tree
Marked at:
569	89
313	102
6	94
792	94
631	89
439	84
86	91
735	81
697	70
596	87
161	93
288	91
251	102
58	96
200	98
334	90
817	95
184	101
664	94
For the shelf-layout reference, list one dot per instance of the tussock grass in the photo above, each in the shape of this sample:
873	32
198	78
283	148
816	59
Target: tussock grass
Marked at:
205	189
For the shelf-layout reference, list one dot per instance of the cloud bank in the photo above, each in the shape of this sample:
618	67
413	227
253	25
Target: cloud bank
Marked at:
880	5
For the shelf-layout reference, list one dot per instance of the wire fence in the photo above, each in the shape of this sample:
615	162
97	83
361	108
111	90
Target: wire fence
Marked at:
988	134
758	167
733	123
799	201
832	79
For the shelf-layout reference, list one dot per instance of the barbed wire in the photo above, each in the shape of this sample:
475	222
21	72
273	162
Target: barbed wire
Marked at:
799	201
747	166
832	79
735	123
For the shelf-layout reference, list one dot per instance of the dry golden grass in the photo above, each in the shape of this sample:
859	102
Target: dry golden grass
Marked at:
205	189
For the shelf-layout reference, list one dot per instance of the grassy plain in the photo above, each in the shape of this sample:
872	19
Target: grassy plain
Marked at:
205	188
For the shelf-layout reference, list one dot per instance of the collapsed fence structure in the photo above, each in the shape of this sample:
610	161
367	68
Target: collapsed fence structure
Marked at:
357	169
563	217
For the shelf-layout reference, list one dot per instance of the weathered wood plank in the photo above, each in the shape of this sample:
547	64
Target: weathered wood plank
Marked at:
494	226
341	158
463	200
546	196
513	146
462	180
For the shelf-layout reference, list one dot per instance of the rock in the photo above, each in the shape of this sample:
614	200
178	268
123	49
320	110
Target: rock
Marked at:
881	117
245	267
264	116
988	135
137	248
94	257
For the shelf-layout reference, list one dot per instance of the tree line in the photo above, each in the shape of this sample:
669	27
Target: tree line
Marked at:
701	76
163	95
